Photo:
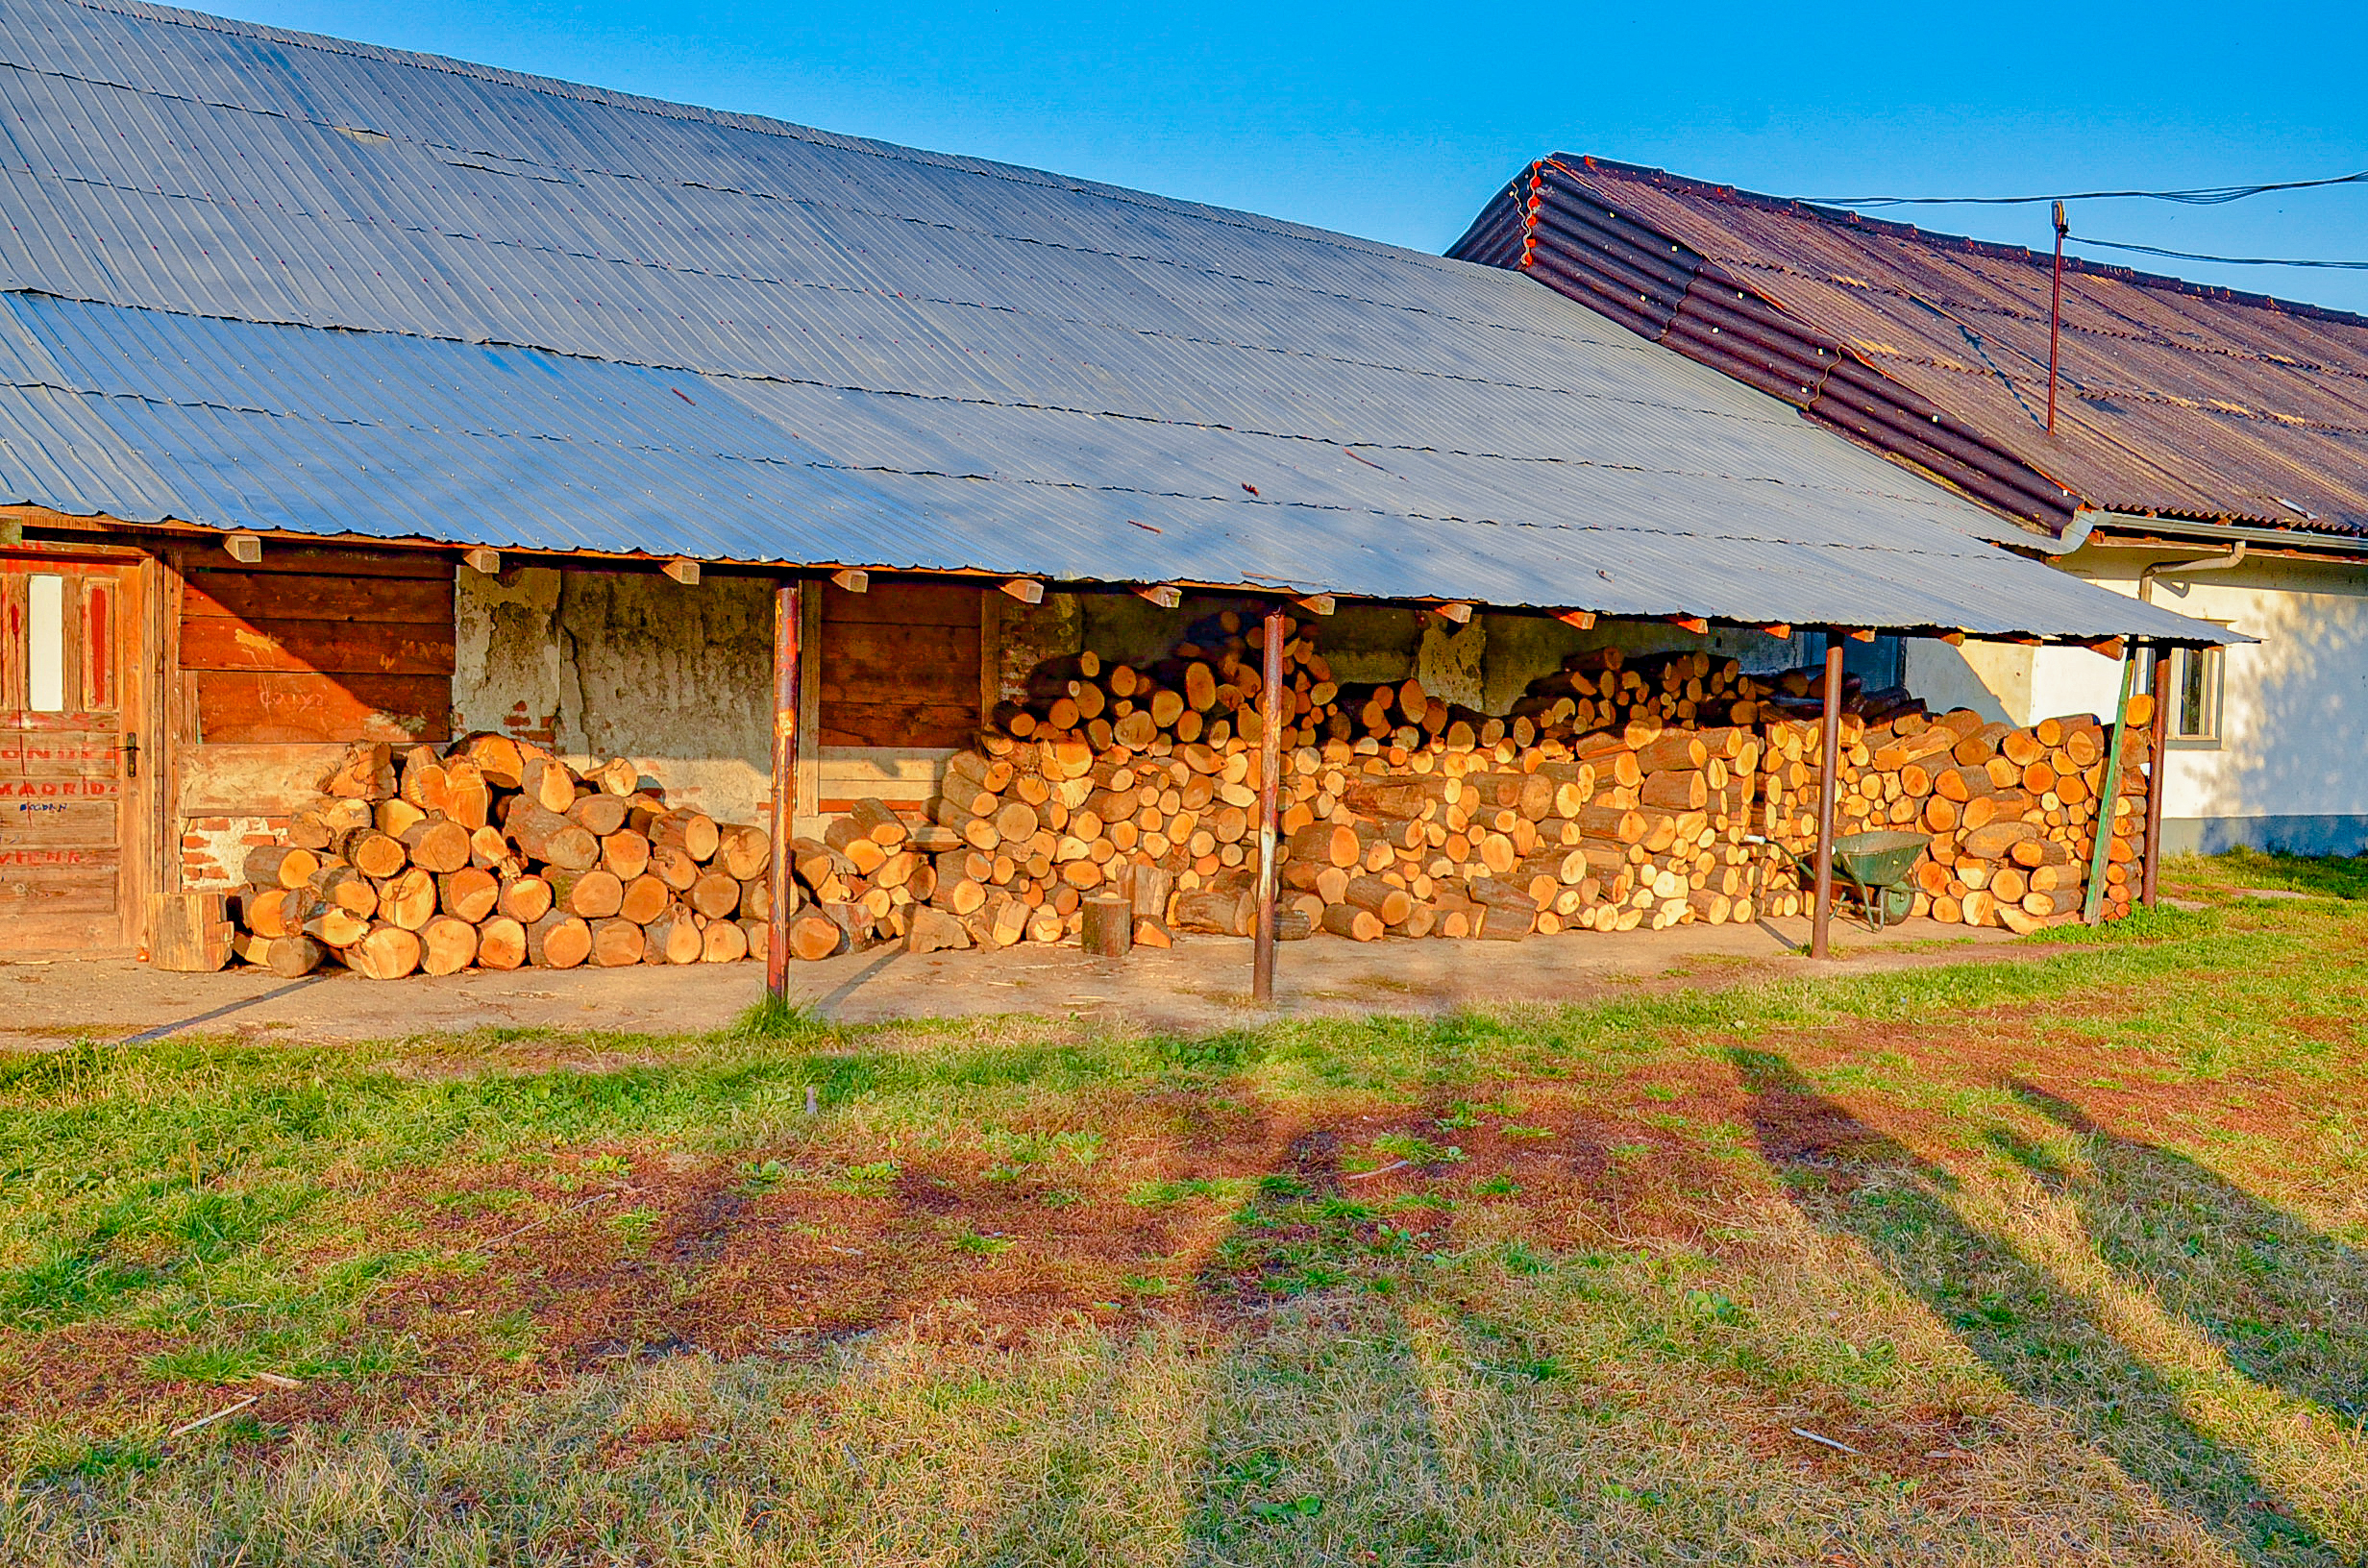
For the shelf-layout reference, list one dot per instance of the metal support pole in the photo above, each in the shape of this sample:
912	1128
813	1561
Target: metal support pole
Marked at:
2109	795
2158	771
1270	806
2055	318
1829	777
786	605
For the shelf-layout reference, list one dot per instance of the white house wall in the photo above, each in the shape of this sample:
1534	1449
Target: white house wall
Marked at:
2285	772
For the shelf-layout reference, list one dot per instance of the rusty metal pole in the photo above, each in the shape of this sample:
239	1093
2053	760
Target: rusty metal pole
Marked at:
2158	771
1270	806
786	605
2055	318
1829	775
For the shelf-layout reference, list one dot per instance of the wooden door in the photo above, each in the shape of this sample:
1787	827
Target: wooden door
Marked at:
69	750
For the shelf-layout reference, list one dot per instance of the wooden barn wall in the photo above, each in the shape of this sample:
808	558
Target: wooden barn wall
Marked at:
316	645
282	663
900	684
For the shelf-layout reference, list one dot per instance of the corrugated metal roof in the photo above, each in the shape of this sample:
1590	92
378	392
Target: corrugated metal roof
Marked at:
263	280
2174	397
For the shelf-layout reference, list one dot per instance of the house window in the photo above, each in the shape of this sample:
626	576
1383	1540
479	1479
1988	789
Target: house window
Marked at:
2194	694
45	644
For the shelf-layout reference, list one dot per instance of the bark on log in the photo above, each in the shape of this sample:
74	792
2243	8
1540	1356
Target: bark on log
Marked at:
1106	927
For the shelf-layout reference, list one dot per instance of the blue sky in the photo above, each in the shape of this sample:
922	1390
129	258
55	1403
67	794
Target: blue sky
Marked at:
1398	123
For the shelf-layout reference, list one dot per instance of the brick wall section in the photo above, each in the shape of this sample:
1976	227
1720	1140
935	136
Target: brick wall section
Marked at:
213	849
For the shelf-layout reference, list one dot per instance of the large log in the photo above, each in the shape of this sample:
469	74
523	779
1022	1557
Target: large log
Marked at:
470	894
190	933
559	941
595	894
280	865
293	957
526	899
673	937
723	941
1225	911
501	943
624	853
447	945
407	898
933	930
1106	927
386	952
616	944
548	838
644	899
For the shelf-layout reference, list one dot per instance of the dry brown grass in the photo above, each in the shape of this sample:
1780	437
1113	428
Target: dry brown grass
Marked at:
2069	1253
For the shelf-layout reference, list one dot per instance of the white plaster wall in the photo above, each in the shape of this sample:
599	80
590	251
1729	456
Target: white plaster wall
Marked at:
1994	679
604	664
2294	705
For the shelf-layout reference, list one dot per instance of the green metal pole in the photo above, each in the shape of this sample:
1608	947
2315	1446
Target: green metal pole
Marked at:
2110	796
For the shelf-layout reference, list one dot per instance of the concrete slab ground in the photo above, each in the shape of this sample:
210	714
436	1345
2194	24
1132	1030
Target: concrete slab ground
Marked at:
1200	984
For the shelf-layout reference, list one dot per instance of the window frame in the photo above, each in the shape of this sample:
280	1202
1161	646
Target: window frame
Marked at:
2212	685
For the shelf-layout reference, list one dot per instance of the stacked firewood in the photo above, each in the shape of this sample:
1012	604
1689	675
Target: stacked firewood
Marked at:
2012	812
495	854
1617	794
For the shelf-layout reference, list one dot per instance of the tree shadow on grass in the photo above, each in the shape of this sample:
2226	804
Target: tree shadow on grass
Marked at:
1319	1445
2285	1304
1850	1180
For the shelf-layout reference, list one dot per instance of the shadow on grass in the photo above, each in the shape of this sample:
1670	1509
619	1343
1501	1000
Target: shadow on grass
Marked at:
1320	1447
2321	876
2287	1305
1848	1179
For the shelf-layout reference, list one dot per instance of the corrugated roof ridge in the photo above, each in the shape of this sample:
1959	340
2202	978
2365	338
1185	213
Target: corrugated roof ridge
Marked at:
65	384
755	124
716	373
1943	240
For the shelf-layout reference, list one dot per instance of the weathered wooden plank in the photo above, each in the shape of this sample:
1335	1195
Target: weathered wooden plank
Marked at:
96	756
870	724
264	779
38	883
904	604
61	789
240	706
843	687
335	648
55	824
283	555
935	653
280	597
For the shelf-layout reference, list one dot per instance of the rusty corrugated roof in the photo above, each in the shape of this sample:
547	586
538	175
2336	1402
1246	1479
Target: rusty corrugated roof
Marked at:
254	279
2174	398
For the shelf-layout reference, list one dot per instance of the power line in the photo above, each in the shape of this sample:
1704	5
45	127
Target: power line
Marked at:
2202	196
2223	261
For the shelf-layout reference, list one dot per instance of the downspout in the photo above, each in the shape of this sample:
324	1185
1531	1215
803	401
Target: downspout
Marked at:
2202	563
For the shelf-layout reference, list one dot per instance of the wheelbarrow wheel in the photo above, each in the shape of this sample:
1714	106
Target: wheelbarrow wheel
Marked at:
1888	906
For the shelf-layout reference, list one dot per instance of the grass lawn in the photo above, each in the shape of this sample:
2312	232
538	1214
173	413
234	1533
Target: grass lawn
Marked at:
2058	1259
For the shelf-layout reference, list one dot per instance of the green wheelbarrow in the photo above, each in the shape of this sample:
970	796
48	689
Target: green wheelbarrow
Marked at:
1876	868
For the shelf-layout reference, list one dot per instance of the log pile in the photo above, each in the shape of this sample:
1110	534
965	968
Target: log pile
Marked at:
1617	794
494	854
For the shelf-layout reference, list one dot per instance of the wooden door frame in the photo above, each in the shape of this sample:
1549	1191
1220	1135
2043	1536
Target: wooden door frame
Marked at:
148	832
